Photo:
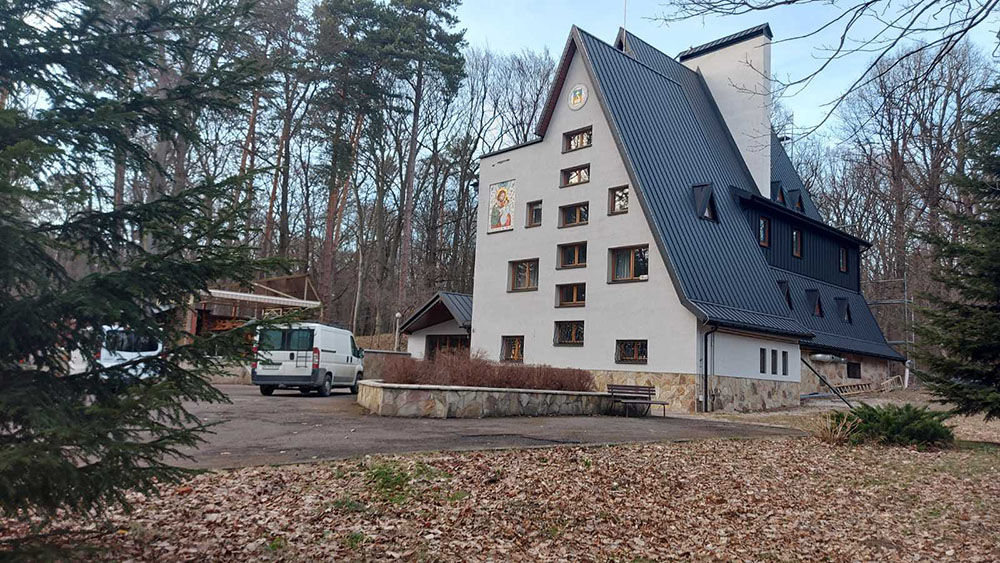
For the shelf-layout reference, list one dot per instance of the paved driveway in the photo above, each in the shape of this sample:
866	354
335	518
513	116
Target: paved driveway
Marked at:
288	427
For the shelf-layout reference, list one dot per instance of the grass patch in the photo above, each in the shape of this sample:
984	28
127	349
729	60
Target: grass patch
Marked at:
458	495
345	504
277	543
354	540
393	482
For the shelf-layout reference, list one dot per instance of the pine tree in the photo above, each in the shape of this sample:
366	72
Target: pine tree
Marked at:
81	95
960	335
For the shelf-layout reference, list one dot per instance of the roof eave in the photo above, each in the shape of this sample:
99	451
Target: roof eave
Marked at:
766	202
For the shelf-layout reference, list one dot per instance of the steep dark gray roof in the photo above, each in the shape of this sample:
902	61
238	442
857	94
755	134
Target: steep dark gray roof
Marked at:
669	148
762	29
458	305
830	333
783	173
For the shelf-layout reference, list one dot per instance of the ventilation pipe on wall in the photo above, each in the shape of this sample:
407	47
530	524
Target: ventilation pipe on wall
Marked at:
827	359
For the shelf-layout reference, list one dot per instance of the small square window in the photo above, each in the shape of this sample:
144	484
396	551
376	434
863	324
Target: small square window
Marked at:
569	333
534	214
579	139
797	243
573	255
524	275
631	351
512	349
630	264
618	200
764	232
576	175
853	370
572	294
574	215
763	360
843	259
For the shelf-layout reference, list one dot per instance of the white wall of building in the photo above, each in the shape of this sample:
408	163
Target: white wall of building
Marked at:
647	310
416	342
739	78
738	355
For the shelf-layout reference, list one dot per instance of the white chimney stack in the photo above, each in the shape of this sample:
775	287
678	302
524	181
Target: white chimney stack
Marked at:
737	70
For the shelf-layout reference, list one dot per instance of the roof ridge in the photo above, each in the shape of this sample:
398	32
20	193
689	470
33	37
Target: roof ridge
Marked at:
721	42
664	53
633	59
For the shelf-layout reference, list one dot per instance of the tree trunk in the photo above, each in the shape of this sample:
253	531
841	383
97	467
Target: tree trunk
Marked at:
406	234
265	244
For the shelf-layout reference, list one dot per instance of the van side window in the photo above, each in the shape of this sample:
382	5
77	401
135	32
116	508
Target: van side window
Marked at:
354	347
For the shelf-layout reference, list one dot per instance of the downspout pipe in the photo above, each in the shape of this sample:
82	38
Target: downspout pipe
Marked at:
704	387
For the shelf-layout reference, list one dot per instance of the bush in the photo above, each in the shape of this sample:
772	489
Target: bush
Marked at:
905	425
835	429
476	371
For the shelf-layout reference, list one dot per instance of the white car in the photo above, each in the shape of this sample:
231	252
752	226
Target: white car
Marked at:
308	357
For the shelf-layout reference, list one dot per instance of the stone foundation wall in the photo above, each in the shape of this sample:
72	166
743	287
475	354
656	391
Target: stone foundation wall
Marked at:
737	394
678	389
873	370
434	401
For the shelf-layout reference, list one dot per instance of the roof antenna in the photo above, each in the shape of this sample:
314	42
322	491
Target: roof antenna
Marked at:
625	27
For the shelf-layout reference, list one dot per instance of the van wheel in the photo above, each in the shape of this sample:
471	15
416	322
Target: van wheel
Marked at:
354	388
305	390
324	391
267	390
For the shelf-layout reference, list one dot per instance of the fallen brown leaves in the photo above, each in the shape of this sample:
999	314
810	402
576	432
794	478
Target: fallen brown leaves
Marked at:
789	499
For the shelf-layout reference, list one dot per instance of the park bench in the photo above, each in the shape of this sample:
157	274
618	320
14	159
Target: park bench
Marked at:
629	395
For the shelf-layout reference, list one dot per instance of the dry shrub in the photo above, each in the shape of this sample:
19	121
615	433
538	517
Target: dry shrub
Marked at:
834	428
476	371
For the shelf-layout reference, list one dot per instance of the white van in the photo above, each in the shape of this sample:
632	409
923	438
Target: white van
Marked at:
308	357
118	346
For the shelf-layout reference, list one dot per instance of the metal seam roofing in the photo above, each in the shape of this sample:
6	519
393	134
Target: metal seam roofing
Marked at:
762	29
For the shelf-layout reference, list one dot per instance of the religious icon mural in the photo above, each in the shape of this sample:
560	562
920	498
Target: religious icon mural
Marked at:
577	97
501	206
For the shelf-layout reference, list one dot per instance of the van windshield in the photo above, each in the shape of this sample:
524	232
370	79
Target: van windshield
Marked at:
295	339
126	341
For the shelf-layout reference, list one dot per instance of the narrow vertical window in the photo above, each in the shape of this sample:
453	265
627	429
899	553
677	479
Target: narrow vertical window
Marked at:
784	363
764	232
512	348
618	200
843	259
774	362
797	243
524	275
534	214
763	360
579	139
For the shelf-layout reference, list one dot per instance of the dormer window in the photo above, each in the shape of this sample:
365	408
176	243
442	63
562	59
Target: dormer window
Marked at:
786	291
764	232
704	201
844	310
798	205
576	175
815	302
781	196
579	139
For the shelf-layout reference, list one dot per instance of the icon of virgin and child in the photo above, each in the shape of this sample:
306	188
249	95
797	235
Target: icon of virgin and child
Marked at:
502	206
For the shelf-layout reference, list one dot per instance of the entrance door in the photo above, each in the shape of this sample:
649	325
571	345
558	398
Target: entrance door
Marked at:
457	344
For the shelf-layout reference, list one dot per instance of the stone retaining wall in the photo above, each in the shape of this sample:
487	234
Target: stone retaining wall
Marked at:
737	394
441	401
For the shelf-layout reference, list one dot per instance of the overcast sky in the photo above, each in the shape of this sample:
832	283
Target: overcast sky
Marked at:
512	25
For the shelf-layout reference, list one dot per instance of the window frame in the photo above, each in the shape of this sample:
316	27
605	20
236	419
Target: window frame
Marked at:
633	278
774	361
784	362
764	222
619	359
503	348
842	260
560	265
529	208
576	302
763	361
512	275
562	215
576	324
798	243
567	136
611	200
849	367
565	173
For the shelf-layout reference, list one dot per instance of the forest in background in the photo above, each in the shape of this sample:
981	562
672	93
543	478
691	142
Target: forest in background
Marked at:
360	151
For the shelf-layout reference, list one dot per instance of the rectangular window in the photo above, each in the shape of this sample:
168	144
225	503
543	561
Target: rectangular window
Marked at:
572	294
573	255
579	139
843	259
534	214
853	370
512	348
618	200
294	339
784	363
524	275
797	243
774	362
764	232
631	351
574	215
630	264
569	333
576	175
763	360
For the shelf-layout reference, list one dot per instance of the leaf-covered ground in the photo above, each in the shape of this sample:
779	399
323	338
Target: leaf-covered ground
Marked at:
786	499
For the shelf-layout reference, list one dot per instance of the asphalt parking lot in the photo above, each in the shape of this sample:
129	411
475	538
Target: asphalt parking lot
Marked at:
288	427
